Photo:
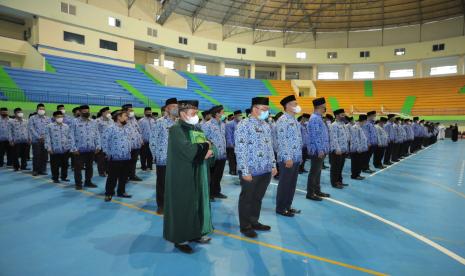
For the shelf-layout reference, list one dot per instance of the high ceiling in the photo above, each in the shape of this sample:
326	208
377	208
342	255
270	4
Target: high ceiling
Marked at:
313	15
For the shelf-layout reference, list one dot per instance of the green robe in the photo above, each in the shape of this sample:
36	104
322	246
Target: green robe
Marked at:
187	214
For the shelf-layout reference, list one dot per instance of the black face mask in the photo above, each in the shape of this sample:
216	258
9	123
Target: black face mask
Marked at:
148	115
4	115
85	115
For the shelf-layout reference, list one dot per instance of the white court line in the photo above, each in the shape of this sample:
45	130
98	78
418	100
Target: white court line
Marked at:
397	226
462	171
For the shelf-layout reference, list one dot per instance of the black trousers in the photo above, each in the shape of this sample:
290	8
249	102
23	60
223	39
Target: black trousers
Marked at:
286	187
367	157
313	181
388	153
356	159
102	163
146	158
378	156
117	174
231	161
59	161
4	147
337	165
83	160
395	151
250	199
39	157
216	174
20	150
160	187
304	158
133	162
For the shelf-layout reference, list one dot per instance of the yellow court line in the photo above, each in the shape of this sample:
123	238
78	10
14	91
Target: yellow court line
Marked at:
438	185
237	237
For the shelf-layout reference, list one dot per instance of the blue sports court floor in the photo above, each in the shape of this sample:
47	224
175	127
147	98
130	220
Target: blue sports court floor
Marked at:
408	219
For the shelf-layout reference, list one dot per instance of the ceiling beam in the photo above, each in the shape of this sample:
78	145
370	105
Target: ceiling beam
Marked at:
232	10
168	8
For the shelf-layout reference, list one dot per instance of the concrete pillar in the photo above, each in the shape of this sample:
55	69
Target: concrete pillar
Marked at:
419	69
381	72
192	64
461	66
161	57
283	71
252	70
315	72
221	68
347	72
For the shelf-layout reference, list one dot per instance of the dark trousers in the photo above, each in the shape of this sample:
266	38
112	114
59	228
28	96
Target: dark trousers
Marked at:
102	163
286	186
146	158
367	157
39	157
356	159
4	147
250	199
388	153
117	173
337	165
304	158
20	150
378	156
133	163
59	161
313	181
160	187
216	174
395	151
231	161
83	160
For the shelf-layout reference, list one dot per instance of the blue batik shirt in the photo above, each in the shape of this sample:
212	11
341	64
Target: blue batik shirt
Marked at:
145	124
358	141
254	149
103	124
391	132
84	136
215	132
116	143
4	123
318	136
36	126
230	131
159	139
18	131
304	133
383	139
370	133
57	138
134	133
339	140
289	139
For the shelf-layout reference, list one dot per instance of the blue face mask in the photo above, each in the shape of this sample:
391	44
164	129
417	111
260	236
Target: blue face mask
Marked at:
264	115
223	117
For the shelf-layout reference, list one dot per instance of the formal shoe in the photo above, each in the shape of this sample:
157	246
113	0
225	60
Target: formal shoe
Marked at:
261	227
125	195
78	187
388	164
135	178
249	233
108	198
90	185
220	195
42	173
25	169
16	169
358	177
324	167
65	179
202	240
35	173
344	184
295	211
233	173
160	210
144	169
320	194
314	197
184	248
285	213
337	186
56	181
379	167
366	171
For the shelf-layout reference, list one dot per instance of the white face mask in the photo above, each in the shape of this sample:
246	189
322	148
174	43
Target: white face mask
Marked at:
108	115
41	112
59	120
193	120
20	115
297	109
63	111
131	114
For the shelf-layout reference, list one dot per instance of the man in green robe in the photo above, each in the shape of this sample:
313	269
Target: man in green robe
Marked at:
187	215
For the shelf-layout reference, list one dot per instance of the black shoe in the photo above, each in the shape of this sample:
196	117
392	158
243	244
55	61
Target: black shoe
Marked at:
160	210
16	169
379	167
125	195
108	198
337	186
249	233
65	179
25	169
261	227
314	197
78	187
90	185
388	164
344	184
202	240
184	248
135	178
358	177
320	194
285	213
56	181
233	173
303	171
35	173
367	171
295	211
220	195
42	173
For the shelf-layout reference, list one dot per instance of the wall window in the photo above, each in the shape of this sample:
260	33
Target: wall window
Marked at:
167	64
232	72
439	47
401	73
114	22
270	53
365	54
152	32
202	69
331	55
109	45
443	70
328	75
363	75
182	40
75	38
301	55
399	52
241	51
212	46
68	8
